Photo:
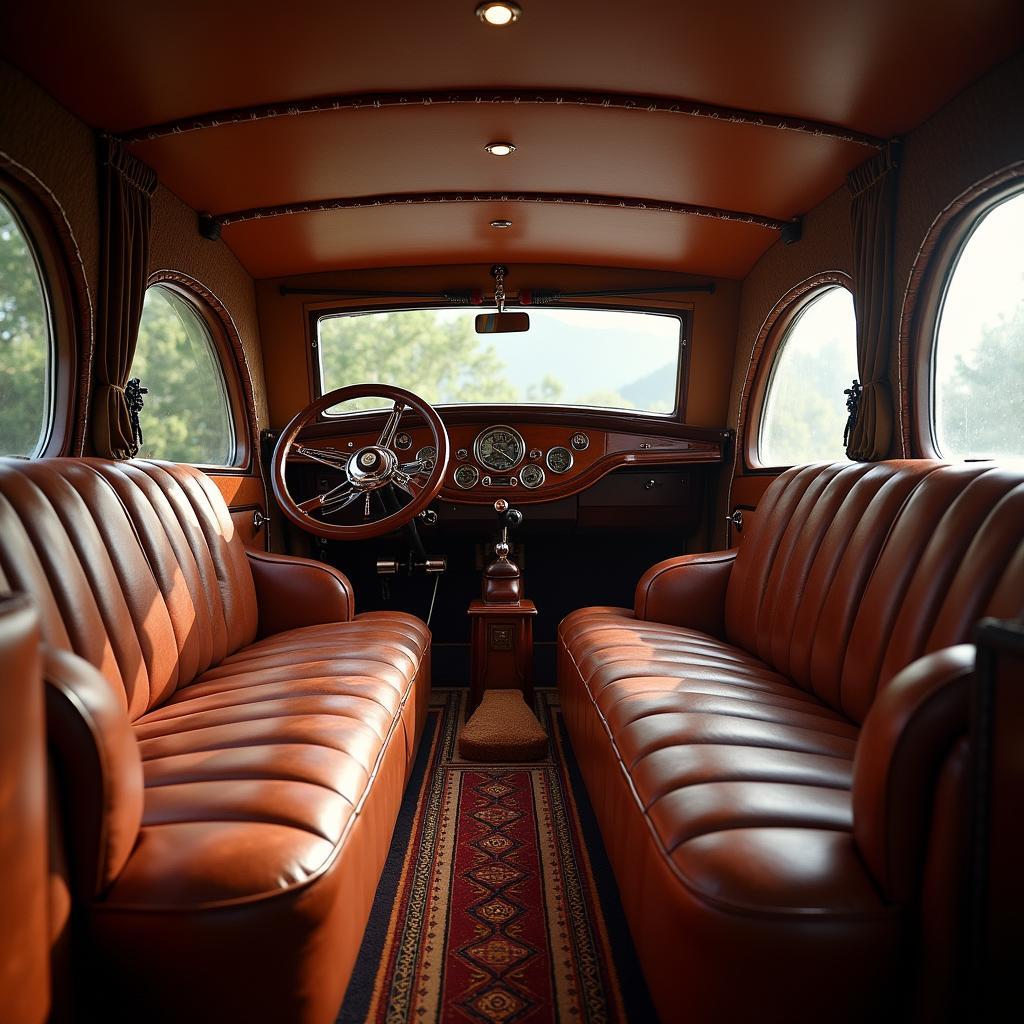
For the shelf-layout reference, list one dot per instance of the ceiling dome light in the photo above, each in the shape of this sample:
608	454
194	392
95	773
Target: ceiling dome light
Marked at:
498	14
501	223
500	148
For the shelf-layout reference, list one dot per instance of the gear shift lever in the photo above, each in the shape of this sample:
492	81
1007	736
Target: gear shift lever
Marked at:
502	582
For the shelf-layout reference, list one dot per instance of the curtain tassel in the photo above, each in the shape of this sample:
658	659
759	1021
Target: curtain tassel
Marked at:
133	393
853	393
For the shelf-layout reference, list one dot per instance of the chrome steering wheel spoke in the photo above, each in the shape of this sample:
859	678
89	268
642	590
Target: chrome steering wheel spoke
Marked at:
387	435
325	456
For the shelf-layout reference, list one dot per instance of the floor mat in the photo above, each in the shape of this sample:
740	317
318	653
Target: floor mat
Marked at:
496	904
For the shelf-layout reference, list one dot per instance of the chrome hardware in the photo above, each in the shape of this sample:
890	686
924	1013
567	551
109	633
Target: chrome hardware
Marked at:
649	484
536	454
433	566
645	446
259	520
429	517
387	567
462	454
486	481
501	505
736	519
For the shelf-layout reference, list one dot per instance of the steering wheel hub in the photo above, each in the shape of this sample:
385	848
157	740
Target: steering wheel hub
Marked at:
371	467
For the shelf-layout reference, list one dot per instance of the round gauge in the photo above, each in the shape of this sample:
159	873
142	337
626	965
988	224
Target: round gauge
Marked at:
403	441
499	448
427	454
466	477
580	441
531	476
559	460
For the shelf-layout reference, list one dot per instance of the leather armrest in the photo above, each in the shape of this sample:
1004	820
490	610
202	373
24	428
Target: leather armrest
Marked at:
293	592
687	591
913	725
97	768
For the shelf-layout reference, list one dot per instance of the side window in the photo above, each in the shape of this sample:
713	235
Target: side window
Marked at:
803	413
187	415
978	358
26	344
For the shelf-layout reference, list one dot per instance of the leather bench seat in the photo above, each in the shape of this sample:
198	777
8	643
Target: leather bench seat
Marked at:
772	739
231	743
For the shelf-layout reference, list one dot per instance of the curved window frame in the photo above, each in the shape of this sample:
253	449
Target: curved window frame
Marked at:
41	235
765	358
225	346
948	239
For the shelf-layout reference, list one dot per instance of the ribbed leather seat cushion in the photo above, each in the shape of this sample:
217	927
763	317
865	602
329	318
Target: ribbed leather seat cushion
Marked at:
135	567
853	571
716	746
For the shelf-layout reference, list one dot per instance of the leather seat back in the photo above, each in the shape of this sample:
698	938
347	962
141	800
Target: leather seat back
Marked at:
852	571
135	567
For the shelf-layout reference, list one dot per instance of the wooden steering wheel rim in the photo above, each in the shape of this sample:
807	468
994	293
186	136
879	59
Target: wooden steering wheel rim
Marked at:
388	523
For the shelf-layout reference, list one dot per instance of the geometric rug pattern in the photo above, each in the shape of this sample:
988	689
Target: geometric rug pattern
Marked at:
490	910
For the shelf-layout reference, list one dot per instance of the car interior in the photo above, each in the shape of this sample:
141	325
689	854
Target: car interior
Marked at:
511	512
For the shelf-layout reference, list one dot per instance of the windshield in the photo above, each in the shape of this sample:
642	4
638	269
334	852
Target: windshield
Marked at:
609	359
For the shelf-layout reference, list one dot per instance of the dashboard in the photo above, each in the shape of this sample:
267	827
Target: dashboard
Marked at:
535	458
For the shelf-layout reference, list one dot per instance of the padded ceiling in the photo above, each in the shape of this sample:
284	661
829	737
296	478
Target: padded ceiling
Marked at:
875	66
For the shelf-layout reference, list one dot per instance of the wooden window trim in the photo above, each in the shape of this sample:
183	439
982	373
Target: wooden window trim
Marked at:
230	354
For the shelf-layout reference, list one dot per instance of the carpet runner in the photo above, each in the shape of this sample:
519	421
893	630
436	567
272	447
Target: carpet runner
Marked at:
496	905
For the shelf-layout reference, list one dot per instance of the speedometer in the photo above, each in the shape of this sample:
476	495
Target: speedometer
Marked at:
499	448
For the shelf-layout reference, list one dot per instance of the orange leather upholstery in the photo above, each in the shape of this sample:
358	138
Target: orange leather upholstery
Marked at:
231	741
764	757
24	924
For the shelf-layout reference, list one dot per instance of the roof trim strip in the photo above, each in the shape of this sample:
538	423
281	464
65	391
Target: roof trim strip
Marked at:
210	223
524	97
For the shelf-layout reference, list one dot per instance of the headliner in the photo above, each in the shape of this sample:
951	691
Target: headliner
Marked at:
878	67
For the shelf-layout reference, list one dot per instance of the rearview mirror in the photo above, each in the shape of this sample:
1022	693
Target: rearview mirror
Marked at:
502	323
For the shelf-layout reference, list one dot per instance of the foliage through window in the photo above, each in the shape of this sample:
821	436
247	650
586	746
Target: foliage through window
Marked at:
804	411
979	342
187	415
25	342
612	359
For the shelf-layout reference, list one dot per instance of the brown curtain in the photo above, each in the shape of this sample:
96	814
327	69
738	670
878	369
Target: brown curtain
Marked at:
126	187
873	213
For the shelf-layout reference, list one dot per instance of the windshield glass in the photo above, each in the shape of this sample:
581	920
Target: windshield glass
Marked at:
611	359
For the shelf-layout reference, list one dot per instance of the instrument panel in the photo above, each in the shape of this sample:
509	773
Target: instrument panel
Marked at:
531	461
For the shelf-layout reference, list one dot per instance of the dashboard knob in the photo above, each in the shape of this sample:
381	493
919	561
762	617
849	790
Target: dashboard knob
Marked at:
513	518
501	505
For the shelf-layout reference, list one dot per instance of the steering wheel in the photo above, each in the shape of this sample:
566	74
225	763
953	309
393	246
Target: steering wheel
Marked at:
374	467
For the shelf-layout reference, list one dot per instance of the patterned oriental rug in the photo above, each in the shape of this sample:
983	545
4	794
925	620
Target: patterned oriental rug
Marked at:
496	905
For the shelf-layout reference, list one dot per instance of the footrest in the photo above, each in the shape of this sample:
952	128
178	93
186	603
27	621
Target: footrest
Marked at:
503	728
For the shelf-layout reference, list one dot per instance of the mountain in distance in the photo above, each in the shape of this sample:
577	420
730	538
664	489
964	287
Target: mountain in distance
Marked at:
653	388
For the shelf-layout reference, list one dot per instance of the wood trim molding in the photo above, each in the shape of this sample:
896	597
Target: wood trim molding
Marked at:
922	301
62	258
762	356
209	223
519	97
228	342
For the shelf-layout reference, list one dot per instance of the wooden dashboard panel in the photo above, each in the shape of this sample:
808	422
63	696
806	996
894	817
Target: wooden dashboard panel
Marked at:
609	447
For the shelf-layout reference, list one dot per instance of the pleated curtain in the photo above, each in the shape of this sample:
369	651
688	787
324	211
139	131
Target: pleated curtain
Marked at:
126	190
873	212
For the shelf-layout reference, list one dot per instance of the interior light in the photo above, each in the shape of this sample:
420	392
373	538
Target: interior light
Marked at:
501	223
498	14
500	148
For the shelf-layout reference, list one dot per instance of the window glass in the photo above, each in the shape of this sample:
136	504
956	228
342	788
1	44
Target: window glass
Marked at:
187	417
804	411
979	342
612	359
25	344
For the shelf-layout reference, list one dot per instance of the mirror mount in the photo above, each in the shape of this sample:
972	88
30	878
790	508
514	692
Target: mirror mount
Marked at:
501	322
